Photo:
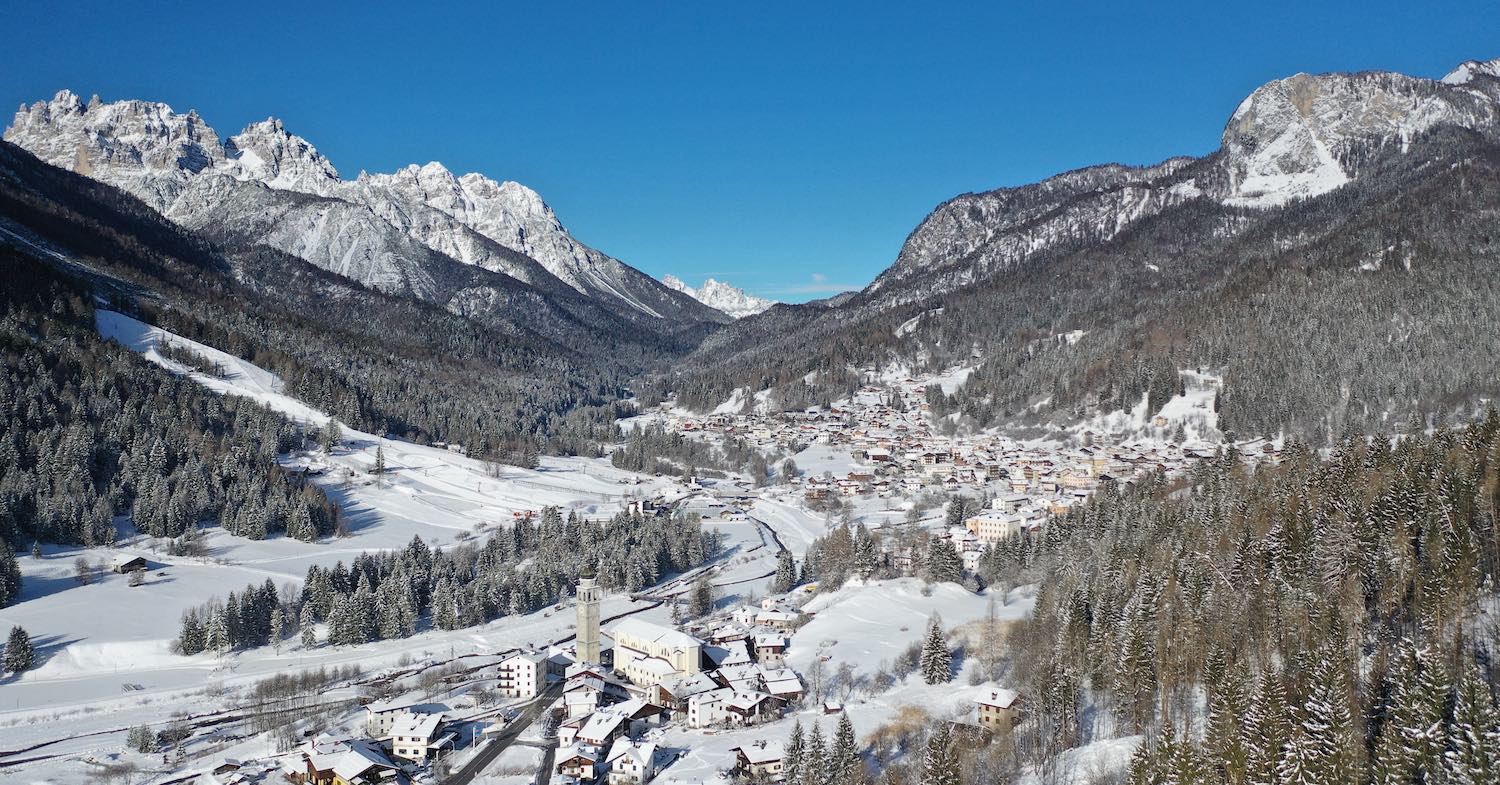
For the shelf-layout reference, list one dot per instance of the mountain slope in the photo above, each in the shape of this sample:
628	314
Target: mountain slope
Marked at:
1354	207
378	362
177	164
721	297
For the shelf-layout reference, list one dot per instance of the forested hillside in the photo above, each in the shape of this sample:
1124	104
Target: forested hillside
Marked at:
1321	621
1355	310
89	431
377	362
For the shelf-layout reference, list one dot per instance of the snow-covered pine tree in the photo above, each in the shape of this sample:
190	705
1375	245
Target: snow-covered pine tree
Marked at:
940	760
278	627
216	633
791	758
1267	729
786	573
943	562
1411	743
815	759
19	654
937	659
844	762
1224	741
1473	756
308	621
1322	747
379	460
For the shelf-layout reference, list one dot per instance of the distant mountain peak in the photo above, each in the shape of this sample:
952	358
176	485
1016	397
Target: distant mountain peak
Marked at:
1467	71
172	160
721	296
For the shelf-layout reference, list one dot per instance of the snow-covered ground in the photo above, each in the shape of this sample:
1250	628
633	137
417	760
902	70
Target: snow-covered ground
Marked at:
104	647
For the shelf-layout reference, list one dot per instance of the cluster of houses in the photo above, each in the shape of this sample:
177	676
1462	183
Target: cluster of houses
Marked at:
897	451
731	674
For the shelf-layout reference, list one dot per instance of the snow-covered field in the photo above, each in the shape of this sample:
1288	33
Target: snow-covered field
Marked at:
104	648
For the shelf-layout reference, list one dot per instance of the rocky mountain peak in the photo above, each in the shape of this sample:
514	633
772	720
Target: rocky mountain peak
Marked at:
267	153
1293	138
1466	72
721	296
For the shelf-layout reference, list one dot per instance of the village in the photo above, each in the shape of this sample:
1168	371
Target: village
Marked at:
611	705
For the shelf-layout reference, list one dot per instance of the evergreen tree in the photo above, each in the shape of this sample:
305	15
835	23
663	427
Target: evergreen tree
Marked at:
792	756
10	572
702	597
278	628
845	766
1225	739
786	573
815	759
943	562
940	761
1473	756
1267	730
379	460
937	659
332	436
307	622
1322	748
19	654
1411	743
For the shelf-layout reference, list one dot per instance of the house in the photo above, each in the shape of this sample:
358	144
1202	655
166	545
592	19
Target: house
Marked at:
760	761
778	619
674	694
770	649
126	563
992	528
708	709
522	675
631	763
602	728
342	761
381	715
415	737
749	707
579	762
650	653
998	709
783	684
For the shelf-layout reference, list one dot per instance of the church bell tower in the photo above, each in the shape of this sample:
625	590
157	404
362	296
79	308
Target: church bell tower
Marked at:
588	617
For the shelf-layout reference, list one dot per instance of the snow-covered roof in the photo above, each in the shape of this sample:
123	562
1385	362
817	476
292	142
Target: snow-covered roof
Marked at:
643	630
422	726
1000	699
761	752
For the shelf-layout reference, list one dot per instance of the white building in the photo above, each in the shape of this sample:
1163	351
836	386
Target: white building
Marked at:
631	763
416	736
522	675
650	653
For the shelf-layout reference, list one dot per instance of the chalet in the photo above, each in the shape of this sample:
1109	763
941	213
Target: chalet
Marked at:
708	709
415	737
335	761
760	761
126	563
578	762
602	728
631	763
998	709
748	708
770	649
381	715
674	694
783	684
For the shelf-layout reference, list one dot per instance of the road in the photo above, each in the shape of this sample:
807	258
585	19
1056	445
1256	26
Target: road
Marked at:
507	737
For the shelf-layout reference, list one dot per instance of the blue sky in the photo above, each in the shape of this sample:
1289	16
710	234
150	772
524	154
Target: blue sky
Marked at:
786	147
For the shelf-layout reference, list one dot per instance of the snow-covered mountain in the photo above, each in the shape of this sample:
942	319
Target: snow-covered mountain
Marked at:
379	229
1289	140
721	296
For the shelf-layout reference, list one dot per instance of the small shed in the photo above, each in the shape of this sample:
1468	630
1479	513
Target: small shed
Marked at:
127	564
